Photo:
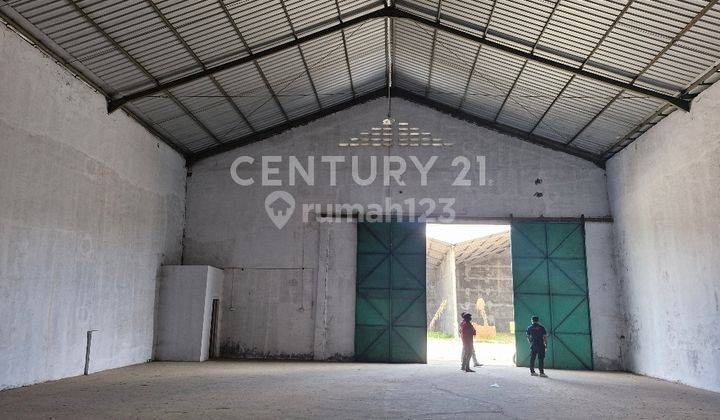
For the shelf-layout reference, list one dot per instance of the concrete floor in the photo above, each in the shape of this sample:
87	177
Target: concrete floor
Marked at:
245	389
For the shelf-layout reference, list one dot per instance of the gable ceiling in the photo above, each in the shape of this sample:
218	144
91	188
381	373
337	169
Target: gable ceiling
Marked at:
583	76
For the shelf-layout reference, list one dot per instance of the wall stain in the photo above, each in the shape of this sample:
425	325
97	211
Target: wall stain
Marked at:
235	351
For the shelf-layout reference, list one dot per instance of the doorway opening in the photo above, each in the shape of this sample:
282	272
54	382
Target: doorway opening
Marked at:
212	346
469	269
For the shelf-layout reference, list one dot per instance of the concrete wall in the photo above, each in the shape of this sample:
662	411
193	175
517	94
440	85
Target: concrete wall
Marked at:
666	205
490	279
335	292
272	271
607	320
90	206
185	311
441	288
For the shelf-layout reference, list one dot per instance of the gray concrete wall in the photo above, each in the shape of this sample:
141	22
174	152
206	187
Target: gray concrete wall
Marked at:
90	206
441	287
491	279
335	292
432	295
607	320
272	272
184	311
666	205
270	313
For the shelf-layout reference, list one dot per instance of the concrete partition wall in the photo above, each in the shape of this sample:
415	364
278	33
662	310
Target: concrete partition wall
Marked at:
90	206
607	315
184	312
335	291
665	196
446	284
272	274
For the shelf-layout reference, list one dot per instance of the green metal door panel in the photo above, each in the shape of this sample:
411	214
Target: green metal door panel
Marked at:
571	351
569	276
408	307
550	281
374	271
570	314
409	345
372	307
527	305
528	240
407	273
375	239
571	320
374	342
390	316
407	238
530	274
565	240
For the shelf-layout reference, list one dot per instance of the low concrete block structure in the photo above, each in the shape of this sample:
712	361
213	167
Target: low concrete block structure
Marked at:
185	312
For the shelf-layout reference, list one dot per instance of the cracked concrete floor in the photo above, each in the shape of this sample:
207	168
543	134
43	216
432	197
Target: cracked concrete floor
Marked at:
249	389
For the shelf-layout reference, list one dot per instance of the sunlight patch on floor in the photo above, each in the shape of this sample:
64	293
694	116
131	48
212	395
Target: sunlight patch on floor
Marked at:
445	350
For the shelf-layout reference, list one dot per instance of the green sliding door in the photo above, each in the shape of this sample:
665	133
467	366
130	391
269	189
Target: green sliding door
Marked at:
550	281
390	320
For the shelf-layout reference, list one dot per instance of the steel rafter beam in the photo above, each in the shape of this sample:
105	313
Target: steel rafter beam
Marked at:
585	61
522	69
514	132
432	49
139	66
629	136
392	12
302	55
275	130
400	14
197	59
254	60
469	79
192	116
252	57
669	45
410	96
432	62
648	122
477	54
345	49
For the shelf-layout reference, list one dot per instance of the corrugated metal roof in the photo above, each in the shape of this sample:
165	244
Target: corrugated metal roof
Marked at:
191	70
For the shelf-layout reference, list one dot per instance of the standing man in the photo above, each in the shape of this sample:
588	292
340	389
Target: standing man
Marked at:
537	337
467	333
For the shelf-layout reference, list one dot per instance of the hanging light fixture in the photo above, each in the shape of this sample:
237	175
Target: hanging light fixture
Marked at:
388	69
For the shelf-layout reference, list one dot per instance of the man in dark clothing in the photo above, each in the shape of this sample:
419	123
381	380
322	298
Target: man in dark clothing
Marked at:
537	337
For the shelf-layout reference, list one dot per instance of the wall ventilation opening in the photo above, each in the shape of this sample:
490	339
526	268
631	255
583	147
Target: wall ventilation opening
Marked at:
395	133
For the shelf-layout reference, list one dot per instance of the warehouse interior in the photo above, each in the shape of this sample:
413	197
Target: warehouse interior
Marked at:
219	207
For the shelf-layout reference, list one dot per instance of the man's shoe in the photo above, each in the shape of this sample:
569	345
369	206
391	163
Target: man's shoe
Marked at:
477	364
469	370
543	375
533	374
